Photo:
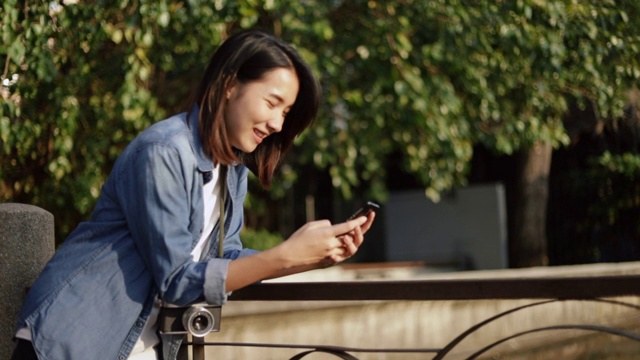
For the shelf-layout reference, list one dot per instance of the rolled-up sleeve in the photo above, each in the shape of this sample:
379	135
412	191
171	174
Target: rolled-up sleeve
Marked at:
215	281
216	275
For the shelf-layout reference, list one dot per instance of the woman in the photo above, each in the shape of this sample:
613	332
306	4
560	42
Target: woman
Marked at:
154	236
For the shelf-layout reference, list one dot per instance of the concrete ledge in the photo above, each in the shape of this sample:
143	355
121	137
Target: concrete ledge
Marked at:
412	272
27	242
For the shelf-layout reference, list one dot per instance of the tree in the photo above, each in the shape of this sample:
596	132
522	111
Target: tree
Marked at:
427	80
450	75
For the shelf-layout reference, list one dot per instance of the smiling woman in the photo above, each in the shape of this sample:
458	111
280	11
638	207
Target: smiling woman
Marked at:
244	59
165	230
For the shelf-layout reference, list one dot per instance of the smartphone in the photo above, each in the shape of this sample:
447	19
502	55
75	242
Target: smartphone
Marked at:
364	210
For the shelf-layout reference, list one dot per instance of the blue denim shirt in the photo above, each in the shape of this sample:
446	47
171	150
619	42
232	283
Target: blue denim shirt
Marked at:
94	296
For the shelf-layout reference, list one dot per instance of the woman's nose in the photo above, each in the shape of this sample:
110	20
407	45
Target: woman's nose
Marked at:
275	124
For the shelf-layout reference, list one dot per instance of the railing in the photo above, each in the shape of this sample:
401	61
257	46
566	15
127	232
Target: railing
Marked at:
541	290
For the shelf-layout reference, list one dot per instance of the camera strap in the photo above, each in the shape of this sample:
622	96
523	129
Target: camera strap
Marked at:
222	188
222	201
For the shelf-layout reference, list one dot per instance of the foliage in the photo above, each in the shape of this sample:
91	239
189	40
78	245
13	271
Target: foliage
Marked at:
613	180
626	165
452	74
426	79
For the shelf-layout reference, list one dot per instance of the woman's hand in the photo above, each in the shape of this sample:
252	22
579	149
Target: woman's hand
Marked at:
317	244
351	241
322	244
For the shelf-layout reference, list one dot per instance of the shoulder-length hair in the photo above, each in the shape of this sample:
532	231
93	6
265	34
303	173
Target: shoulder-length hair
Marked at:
244	57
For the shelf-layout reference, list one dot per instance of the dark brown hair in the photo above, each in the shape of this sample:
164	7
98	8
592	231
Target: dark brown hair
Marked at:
244	57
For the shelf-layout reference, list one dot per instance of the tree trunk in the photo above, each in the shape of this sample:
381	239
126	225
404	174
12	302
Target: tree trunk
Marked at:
527	236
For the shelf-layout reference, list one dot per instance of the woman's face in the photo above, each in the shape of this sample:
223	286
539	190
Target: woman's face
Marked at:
257	109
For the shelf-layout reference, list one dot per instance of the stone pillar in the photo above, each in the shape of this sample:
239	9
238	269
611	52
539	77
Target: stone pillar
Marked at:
27	242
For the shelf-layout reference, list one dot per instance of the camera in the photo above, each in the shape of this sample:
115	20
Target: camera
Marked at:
197	320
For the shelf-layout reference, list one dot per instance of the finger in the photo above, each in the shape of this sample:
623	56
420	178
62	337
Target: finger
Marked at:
350	233
318	224
367	225
338	258
335	243
334	259
358	237
337	253
349	245
347	226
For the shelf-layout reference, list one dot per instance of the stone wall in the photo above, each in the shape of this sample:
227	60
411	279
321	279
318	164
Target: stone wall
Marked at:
26	243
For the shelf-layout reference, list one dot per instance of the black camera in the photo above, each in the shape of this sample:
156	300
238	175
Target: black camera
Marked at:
197	320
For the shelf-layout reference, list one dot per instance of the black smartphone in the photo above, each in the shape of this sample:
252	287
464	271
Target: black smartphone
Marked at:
368	207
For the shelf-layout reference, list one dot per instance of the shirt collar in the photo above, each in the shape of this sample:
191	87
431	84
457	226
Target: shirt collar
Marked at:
205	164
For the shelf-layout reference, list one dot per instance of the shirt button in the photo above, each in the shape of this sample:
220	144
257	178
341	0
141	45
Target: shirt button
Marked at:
139	323
121	357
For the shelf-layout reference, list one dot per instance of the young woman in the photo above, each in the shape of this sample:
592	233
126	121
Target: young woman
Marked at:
154	235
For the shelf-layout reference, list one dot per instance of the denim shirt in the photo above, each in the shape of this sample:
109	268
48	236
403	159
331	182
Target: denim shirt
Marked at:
93	297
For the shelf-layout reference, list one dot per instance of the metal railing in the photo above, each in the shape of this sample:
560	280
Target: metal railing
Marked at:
541	290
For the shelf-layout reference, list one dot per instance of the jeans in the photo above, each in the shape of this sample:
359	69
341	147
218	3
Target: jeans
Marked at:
24	351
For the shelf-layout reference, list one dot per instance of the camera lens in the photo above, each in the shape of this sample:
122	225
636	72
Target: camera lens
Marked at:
198	320
200	323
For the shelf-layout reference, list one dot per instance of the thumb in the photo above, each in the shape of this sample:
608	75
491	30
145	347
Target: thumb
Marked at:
347	226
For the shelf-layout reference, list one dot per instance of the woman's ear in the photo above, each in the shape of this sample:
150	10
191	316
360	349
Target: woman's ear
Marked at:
230	89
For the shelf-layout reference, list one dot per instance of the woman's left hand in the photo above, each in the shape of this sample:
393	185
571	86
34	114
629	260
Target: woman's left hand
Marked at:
351	241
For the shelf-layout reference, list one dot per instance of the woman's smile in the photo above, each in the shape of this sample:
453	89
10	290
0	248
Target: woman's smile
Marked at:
259	135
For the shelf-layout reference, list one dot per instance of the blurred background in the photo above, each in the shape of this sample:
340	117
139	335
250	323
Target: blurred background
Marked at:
495	134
